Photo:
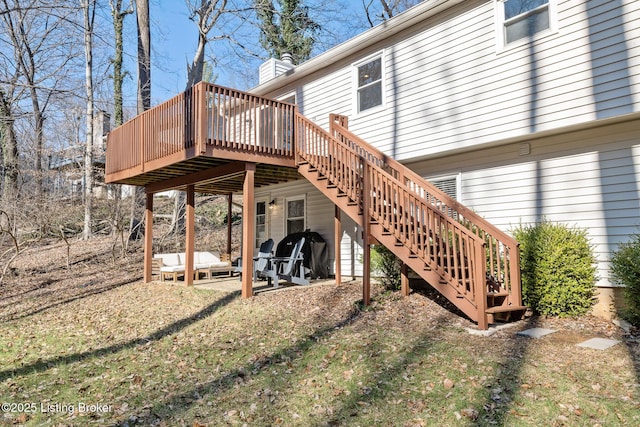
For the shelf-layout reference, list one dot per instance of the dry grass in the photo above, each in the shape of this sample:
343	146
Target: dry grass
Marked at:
160	354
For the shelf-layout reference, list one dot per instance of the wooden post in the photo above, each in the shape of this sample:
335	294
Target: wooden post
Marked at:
191	229
480	285
229	224
337	226
148	239
366	223
404	280
248	232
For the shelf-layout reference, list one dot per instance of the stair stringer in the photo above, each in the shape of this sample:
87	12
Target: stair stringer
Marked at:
437	280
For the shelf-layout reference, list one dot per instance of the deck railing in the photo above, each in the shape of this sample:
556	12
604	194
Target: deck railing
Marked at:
204	117
502	251
463	247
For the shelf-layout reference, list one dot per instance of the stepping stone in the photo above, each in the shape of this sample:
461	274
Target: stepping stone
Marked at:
536	332
598	343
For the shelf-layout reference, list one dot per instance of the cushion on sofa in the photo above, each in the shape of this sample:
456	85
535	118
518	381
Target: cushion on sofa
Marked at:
169	259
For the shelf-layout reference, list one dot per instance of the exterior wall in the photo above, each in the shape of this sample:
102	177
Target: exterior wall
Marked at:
448	85
587	178
319	218
507	119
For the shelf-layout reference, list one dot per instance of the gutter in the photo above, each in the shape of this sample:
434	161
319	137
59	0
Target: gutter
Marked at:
407	19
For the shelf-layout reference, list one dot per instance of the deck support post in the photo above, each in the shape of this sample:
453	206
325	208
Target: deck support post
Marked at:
248	232
404	280
337	226
148	238
229	224
366	235
191	229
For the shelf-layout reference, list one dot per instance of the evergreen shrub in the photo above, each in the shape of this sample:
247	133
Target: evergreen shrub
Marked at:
558	269
625	269
388	266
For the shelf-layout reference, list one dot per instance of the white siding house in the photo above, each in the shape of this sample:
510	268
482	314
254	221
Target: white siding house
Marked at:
529	110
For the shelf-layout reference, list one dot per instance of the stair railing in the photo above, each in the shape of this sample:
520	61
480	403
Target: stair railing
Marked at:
454	250
502	251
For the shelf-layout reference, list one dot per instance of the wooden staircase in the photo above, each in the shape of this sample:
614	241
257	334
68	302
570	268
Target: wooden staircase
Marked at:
469	261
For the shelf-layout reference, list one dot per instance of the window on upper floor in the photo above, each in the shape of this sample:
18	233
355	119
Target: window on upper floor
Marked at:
522	19
369	84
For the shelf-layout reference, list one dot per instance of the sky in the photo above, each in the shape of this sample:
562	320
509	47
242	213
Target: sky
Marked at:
174	40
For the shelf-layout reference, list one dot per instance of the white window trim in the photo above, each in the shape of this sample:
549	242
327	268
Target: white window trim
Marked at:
500	35
288	95
285	215
354	79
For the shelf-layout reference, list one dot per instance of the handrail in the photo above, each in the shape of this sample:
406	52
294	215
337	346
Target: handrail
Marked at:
434	226
430	232
503	259
205	116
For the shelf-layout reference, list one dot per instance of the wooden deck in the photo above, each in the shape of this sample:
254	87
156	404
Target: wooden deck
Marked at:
212	139
203	137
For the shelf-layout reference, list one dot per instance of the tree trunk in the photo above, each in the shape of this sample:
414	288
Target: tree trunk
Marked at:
9	150
144	91
89	14
118	78
144	55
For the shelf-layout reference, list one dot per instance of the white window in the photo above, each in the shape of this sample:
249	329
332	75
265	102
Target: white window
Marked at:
368	78
261	223
522	19
295	215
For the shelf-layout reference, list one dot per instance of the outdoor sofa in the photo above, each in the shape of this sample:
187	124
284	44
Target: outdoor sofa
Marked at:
173	264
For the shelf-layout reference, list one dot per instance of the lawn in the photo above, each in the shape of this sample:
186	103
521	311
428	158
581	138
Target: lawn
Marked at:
93	345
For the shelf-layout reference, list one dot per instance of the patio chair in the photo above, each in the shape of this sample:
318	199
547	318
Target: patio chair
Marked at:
262	267
290	268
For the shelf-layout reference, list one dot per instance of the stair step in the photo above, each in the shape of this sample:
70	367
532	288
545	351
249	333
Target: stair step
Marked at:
506	308
498	294
330	185
341	194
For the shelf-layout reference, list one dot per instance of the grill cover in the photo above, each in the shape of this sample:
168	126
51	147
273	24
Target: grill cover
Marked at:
314	250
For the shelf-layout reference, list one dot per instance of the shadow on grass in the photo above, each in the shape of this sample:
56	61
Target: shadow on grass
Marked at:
181	402
24	292
502	391
44	365
378	389
90	290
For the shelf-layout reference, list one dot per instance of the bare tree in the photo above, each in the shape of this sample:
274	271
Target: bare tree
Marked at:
118	15
144	94
89	13
42	52
9	148
386	9
144	55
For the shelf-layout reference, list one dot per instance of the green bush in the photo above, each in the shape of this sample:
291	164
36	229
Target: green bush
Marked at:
625	269
558	269
389	266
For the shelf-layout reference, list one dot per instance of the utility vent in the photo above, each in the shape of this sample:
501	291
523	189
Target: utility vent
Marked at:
273	68
448	185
